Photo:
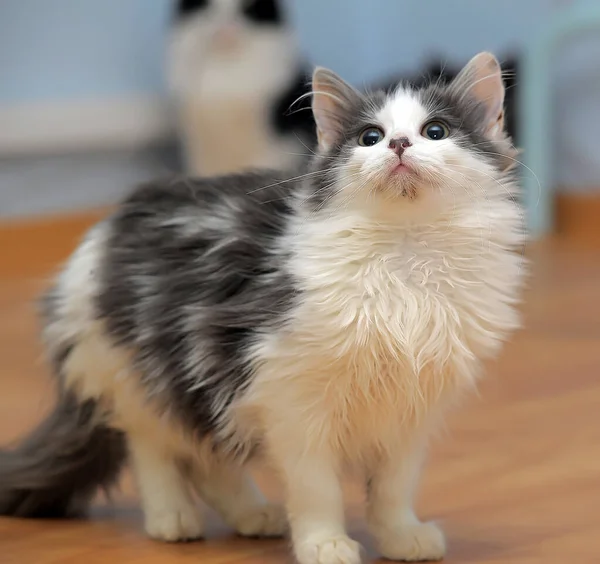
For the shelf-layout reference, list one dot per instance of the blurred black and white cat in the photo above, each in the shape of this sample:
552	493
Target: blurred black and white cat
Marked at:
234	72
240	86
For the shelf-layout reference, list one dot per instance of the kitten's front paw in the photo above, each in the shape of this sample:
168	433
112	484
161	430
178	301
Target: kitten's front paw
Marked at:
263	521
415	542
329	550
183	524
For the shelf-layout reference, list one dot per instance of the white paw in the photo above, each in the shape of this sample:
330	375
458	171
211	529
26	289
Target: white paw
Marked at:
263	521
415	542
331	550
179	525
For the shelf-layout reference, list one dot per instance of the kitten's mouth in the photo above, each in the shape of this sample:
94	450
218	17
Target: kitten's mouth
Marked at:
403	177
401	168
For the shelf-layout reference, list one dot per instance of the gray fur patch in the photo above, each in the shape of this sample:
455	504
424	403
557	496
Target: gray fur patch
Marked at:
192	277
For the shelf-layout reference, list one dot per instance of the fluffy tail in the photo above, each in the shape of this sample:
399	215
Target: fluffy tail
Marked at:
57	470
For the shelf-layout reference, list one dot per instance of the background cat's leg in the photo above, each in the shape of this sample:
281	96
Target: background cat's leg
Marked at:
229	489
170	511
399	533
314	501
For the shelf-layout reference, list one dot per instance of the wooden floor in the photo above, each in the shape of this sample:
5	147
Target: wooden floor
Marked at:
515	479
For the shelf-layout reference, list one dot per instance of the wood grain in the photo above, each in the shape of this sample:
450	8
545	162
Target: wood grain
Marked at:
516	477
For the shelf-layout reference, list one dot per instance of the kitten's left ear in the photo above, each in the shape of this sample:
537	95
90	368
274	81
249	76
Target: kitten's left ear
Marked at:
482	80
334	102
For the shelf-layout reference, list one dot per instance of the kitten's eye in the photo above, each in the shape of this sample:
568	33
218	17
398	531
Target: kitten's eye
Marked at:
370	136
435	130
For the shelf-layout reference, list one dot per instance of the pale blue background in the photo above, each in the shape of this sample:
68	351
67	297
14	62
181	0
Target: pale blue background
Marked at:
367	39
77	49
74	49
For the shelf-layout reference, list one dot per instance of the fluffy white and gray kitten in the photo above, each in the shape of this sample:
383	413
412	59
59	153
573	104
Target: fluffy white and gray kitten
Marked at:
323	320
234	69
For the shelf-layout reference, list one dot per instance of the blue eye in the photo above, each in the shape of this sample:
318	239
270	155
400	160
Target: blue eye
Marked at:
370	136
435	130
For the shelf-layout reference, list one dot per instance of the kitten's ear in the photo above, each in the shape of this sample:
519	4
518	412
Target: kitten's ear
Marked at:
482	80
333	103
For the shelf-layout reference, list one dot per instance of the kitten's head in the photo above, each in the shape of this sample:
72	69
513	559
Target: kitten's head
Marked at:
423	149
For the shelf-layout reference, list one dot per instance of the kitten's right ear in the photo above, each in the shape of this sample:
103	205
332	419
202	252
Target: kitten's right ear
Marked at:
481	79
333	102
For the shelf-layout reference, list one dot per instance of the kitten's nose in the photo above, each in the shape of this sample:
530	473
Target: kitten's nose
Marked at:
399	145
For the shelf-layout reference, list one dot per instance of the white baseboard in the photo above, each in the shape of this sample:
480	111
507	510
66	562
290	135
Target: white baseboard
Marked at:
82	126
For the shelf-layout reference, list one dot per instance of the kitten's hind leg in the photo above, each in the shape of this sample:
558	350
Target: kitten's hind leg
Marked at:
170	511
229	489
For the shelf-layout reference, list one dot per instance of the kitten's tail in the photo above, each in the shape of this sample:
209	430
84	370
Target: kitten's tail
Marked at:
58	468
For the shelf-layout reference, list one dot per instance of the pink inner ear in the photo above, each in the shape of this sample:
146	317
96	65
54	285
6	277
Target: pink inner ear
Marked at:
332	98
324	109
488	87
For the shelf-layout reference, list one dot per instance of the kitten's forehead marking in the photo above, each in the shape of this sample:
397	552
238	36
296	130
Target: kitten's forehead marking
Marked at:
402	114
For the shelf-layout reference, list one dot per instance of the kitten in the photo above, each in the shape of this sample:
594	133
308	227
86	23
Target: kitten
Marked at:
227	119
323	320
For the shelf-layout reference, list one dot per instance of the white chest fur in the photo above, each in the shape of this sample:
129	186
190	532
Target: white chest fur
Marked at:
391	322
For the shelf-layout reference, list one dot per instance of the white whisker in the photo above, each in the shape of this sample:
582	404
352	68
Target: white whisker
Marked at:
300	177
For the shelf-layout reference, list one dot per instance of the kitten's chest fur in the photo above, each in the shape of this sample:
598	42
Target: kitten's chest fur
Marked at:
424	294
391	322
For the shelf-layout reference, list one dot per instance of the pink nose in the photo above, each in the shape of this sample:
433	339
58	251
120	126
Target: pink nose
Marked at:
399	145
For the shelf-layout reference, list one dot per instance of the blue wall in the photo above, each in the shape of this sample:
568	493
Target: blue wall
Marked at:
74	49
367	39
78	49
